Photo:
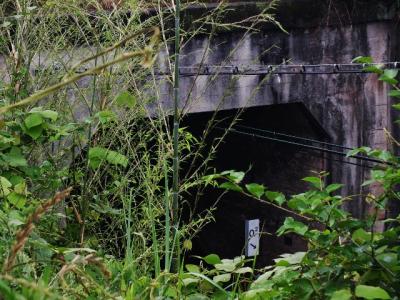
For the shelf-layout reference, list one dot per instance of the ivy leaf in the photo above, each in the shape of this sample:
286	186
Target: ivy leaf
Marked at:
212	259
97	155
371	292
344	294
255	189
33	120
126	99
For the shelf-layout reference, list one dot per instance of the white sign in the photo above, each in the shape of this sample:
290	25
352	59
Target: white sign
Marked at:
252	228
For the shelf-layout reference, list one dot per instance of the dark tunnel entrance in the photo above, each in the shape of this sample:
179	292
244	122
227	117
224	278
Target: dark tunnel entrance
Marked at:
278	166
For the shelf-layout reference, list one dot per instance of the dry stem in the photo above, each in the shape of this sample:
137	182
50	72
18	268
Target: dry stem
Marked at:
23	235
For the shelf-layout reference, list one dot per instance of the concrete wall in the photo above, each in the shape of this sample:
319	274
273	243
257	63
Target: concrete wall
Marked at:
353	108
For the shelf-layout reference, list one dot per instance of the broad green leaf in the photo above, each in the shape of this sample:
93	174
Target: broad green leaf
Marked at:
394	93
231	186
344	294
212	259
34	132
275	197
97	155
15	158
33	120
360	236
188	281
391	73
4	186
315	181
235	176
17	200
388	259
47	114
227	266
243	270
126	99
290	225
333	187
291	259
363	60
389	76
255	189
222	278
193	268
106	116
371	292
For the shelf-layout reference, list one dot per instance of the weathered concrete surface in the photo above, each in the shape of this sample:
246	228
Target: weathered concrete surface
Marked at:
353	108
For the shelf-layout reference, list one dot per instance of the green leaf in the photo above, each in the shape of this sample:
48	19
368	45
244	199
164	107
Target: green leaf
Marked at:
360	236
363	60
231	186
15	158
235	176
255	189
344	294
17	200
276	197
243	270
290	225
106	116
226	266
389	76
4	186
47	114
34	132
333	187
371	292
390	259
97	155
222	278
193	268
33	120
315	181
126	99
394	93
212	259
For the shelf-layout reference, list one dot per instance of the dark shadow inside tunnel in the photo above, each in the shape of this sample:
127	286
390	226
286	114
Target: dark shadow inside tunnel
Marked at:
278	166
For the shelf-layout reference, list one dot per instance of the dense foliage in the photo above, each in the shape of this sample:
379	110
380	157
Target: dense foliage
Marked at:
85	199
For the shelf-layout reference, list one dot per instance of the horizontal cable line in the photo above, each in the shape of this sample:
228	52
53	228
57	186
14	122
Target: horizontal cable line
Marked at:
305	146
294	137
318	69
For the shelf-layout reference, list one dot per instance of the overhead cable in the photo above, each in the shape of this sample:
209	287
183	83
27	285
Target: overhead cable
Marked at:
317	69
308	146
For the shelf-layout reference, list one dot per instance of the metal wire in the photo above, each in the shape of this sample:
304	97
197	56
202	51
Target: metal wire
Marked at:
305	69
359	157
294	137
